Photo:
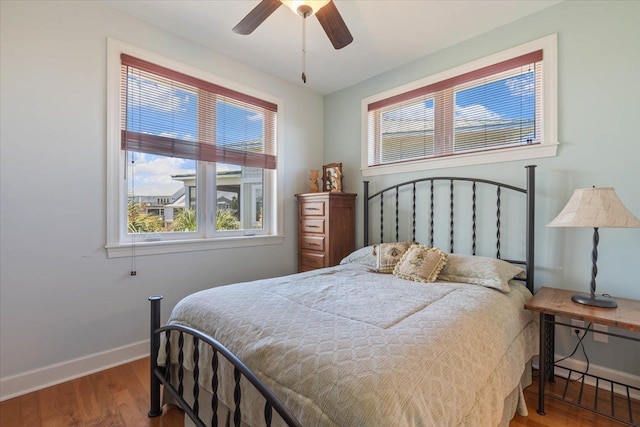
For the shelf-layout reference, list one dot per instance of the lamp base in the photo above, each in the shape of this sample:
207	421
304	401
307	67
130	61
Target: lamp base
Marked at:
594	300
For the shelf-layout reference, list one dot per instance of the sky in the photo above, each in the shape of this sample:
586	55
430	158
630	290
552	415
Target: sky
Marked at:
509	98
159	108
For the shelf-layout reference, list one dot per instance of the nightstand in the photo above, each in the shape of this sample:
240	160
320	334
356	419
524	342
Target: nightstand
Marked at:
551	302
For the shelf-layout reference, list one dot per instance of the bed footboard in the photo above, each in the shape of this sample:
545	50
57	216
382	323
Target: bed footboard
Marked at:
160	375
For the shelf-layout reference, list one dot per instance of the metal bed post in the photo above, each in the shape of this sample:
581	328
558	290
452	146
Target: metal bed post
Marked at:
531	209
155	409
365	202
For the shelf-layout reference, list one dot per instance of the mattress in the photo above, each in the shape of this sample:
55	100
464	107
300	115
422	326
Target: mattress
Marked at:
344	346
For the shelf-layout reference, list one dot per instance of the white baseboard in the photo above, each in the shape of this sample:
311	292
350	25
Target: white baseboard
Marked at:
600	371
38	379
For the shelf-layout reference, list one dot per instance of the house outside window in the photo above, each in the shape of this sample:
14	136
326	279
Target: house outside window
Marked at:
499	108
185	140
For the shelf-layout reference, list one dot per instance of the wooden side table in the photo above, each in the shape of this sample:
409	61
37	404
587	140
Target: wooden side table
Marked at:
551	302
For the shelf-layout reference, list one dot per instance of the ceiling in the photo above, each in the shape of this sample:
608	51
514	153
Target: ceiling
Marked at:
387	33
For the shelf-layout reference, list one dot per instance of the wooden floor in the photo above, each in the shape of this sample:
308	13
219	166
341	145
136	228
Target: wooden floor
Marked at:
120	397
560	413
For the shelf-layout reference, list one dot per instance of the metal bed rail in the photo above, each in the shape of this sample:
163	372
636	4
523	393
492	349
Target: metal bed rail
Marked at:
612	394
160	375
600	383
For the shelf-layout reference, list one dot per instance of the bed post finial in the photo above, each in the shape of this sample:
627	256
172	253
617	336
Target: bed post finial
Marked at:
531	211
155	408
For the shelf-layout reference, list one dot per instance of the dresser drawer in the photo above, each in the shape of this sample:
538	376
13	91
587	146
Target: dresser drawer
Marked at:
309	260
314	243
308	225
312	208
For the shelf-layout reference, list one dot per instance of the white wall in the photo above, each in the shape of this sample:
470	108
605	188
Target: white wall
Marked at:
60	297
599	112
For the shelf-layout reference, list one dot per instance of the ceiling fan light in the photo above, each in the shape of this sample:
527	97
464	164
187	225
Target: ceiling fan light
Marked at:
315	5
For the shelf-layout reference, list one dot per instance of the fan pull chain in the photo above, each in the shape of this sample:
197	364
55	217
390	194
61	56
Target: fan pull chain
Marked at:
304	47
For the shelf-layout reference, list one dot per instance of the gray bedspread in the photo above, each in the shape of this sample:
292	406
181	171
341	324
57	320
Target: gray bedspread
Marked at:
346	347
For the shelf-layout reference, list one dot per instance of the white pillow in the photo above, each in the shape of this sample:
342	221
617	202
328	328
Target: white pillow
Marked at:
362	256
477	270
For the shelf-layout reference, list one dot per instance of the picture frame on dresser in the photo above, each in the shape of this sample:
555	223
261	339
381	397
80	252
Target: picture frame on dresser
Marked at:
332	177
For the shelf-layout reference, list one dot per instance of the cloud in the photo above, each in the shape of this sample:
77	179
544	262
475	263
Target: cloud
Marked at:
419	117
152	174
224	167
175	135
255	117
475	112
522	85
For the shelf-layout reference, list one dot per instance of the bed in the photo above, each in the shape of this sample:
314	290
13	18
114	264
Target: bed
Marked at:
351	346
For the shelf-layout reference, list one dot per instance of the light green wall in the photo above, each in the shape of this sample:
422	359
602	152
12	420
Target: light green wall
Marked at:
599	115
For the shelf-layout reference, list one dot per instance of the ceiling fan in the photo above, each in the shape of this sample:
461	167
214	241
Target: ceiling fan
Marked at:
325	11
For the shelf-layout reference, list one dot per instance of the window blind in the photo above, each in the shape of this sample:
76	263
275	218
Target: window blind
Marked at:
491	107
168	113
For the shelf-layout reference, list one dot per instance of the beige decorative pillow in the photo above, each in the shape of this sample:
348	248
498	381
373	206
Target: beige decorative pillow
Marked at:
421	264
477	270
388	254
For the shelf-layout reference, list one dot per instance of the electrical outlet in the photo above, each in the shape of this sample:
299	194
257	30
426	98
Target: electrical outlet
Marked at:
600	337
578	332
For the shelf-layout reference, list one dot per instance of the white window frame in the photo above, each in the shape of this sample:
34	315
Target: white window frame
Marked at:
119	243
254	211
547	147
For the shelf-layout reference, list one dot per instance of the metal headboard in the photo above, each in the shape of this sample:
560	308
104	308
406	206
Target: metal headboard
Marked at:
394	192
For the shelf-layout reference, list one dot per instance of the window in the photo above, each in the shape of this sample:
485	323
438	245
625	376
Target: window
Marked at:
499	108
189	154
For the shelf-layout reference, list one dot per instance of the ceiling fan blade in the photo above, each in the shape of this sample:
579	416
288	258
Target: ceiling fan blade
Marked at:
256	16
334	26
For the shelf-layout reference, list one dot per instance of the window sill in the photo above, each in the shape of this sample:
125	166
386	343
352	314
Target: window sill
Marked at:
175	246
481	158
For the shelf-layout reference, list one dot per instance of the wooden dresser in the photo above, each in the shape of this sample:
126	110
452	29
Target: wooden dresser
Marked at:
326	230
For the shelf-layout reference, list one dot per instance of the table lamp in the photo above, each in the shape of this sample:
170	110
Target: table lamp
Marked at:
597	208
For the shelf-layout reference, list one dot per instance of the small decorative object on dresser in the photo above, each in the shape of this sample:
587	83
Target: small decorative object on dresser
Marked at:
314	174
327	229
332	177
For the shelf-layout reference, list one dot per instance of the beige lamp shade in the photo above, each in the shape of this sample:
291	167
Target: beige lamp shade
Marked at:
597	208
